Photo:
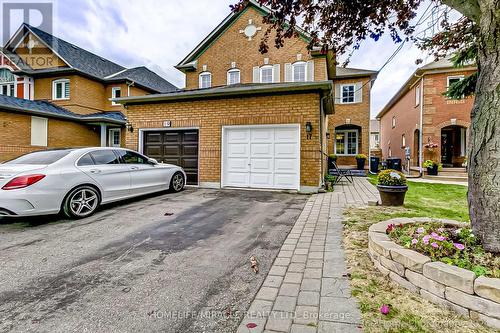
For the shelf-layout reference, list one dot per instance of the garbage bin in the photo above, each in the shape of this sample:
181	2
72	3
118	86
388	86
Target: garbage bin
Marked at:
394	163
374	162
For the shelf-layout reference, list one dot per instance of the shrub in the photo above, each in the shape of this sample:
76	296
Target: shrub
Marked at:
330	178
391	177
361	157
431	164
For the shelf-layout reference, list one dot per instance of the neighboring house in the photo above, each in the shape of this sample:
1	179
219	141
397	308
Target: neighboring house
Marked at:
419	114
254	120
374	134
56	94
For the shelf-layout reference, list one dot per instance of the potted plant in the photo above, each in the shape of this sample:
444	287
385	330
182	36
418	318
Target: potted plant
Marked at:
432	167
329	181
360	161
332	158
392	187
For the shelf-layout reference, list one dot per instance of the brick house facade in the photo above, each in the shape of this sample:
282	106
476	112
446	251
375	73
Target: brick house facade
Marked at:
75	86
419	114
248	119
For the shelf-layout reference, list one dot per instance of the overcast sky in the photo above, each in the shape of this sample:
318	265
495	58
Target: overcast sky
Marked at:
159	33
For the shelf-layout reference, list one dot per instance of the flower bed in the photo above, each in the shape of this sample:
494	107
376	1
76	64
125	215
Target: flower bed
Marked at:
447	285
449	244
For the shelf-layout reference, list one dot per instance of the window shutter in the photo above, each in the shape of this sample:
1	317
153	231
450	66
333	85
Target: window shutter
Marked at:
256	74
338	96
358	92
277	73
288	72
310	70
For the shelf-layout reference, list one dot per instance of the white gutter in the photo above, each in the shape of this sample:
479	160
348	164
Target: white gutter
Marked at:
421	128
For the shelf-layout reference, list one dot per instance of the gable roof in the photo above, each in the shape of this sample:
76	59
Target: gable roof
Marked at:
440	66
189	60
146	77
47	109
89	63
347	72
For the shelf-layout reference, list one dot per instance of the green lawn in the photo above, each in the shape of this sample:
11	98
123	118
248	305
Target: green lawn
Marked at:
433	200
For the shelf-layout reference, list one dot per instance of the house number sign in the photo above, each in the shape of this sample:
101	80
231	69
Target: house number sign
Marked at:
167	123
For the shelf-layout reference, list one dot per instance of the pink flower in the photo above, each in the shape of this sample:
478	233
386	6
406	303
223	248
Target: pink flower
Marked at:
440	229
414	241
434	245
385	309
459	246
420	230
426	239
434	235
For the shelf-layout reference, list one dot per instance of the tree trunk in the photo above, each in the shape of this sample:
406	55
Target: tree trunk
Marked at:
484	143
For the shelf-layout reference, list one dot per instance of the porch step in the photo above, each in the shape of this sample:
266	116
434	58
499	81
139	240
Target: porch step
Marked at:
448	178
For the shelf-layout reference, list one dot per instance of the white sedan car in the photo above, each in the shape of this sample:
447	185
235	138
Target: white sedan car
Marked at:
77	181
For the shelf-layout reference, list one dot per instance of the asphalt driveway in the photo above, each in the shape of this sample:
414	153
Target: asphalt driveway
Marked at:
168	263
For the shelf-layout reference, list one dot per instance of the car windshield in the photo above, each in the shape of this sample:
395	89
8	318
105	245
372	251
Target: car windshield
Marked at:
41	157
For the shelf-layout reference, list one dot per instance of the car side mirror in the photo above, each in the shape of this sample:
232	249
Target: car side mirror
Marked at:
152	161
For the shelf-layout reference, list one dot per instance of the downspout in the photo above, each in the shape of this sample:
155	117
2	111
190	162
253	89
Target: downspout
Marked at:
321	110
421	128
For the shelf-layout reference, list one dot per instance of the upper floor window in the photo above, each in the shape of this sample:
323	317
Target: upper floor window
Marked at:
233	76
393	122
205	80
417	95
299	71
267	74
403	140
348	93
116	92
453	79
7	82
60	89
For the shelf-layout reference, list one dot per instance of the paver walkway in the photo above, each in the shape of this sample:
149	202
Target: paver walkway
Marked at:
307	289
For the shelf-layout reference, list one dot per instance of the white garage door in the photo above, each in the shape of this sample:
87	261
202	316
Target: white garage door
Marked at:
261	156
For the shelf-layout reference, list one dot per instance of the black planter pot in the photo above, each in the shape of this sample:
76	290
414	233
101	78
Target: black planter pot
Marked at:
433	171
361	163
392	195
330	162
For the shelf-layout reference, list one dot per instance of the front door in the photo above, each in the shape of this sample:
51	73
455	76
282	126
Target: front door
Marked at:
179	147
447	147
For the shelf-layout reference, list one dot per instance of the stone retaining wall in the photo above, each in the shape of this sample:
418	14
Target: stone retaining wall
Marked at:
448	286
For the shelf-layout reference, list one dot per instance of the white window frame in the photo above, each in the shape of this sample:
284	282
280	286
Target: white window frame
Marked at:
460	77
403	140
200	81
299	63
111	137
393	122
229	72
272	72
353	85
346	141
54	90
10	85
113	94
417	95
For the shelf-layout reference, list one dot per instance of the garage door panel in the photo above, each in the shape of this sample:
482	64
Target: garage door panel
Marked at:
153	151
261	164
261	149
189	149
171	137
286	135
190	137
154	137
189	163
172	150
272	153
285	165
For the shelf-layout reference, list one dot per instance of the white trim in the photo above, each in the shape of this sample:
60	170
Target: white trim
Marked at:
111	137
234	70
463	141
113	92
141	141
266	67
345	141
342	95
199	79
460	77
54	97
115	74
305	70
223	147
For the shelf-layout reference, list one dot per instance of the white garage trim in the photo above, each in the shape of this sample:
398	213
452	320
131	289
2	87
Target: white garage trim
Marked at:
248	173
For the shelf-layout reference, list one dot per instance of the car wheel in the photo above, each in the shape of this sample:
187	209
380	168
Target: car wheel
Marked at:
177	182
81	202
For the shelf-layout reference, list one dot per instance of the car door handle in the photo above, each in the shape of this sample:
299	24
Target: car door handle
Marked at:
134	168
95	171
